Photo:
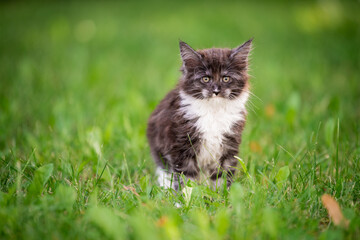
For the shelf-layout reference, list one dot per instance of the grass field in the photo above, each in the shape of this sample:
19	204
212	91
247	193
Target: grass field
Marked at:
79	80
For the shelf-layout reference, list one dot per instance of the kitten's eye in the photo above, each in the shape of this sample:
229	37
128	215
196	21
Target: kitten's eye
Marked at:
226	79
205	79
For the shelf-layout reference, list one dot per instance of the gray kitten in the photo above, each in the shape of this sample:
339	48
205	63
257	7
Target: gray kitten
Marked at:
196	129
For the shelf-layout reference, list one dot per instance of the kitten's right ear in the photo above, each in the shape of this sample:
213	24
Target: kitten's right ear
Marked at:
189	56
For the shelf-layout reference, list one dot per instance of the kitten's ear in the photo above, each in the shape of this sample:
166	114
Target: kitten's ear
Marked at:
240	54
189	56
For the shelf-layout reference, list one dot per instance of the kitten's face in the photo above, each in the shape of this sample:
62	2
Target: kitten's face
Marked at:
214	73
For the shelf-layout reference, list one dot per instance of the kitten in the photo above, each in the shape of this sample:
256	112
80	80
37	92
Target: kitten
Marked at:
195	131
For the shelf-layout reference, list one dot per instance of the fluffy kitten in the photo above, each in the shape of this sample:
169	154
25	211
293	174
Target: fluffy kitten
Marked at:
196	129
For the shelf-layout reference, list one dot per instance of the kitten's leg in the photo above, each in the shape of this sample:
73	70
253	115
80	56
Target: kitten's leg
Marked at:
165	179
224	173
229	166
217	183
217	179
185	170
180	180
171	180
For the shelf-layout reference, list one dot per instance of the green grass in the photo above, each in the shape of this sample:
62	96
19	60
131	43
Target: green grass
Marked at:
79	80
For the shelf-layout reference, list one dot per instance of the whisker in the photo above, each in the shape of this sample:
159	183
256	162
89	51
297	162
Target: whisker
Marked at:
252	107
252	94
252	104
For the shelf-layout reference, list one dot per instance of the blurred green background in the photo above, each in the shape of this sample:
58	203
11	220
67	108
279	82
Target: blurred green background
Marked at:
78	81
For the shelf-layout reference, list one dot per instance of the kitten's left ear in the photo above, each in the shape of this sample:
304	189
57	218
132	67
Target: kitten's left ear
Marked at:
241	53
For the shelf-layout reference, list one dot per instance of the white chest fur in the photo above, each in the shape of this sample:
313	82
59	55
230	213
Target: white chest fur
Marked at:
215	117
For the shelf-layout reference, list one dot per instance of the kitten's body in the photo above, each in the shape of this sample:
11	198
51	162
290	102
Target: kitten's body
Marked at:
196	129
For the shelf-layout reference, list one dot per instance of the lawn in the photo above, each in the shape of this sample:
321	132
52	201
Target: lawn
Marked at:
78	81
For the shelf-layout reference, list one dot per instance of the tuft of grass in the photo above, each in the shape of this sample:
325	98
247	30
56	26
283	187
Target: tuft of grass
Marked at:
78	82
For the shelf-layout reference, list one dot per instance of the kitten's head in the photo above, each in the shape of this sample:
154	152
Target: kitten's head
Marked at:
214	72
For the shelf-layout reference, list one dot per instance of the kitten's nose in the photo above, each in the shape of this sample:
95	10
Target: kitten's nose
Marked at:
216	90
